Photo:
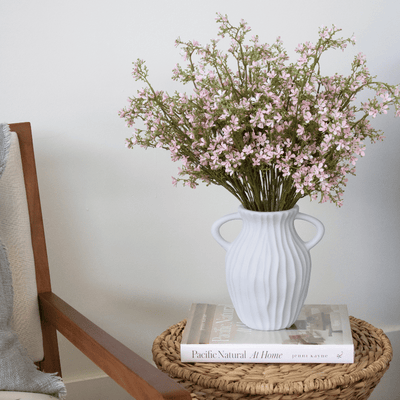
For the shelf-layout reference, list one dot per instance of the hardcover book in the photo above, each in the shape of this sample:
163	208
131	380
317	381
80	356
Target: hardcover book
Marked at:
321	334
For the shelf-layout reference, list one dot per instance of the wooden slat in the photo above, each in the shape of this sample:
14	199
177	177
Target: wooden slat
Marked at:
35	211
139	378
51	361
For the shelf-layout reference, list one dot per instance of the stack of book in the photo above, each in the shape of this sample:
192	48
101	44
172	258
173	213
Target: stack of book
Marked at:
321	334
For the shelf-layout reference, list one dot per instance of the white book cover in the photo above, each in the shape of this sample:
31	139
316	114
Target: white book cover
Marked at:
321	334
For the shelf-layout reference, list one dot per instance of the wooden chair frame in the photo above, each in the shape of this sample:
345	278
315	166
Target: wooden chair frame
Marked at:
138	377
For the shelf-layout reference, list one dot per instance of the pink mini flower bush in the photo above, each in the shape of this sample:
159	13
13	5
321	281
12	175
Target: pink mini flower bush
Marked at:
267	131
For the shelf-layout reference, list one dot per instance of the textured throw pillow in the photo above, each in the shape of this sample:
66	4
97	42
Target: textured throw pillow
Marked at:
17	371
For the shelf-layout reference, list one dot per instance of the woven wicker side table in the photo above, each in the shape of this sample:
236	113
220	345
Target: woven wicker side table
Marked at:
373	353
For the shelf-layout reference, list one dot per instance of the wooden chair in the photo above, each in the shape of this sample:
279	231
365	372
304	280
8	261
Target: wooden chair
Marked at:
139	378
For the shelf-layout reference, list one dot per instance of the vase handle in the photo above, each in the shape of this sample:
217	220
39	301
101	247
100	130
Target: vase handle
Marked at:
320	229
217	225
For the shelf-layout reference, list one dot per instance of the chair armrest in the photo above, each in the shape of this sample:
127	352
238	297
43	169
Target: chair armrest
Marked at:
138	377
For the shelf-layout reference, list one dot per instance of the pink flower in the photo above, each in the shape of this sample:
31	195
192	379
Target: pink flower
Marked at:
234	120
307	117
226	130
302	60
300	130
373	112
269	123
231	123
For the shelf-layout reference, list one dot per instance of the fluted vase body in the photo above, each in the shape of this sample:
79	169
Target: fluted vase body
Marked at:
268	266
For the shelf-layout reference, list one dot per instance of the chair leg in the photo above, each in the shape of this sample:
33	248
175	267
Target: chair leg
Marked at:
51	361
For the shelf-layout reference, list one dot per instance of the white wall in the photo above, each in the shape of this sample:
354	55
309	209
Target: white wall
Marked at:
128	249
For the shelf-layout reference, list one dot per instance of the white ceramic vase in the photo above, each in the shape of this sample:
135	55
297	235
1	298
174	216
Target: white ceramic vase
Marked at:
268	266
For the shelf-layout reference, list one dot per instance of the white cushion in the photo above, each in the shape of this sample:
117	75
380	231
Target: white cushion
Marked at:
24	396
16	236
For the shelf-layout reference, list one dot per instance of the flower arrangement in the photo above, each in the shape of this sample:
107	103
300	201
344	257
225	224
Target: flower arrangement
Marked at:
268	132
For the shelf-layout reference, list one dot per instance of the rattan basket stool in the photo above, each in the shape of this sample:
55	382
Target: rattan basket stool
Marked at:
373	353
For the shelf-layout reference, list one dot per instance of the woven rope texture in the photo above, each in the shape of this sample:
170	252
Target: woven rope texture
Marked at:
207	381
